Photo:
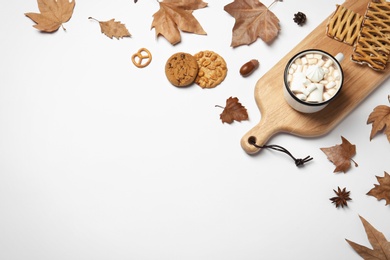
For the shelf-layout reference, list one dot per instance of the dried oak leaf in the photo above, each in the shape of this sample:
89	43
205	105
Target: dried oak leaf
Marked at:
382	191
113	28
379	243
53	13
341	155
233	110
342	197
253	20
380	120
175	16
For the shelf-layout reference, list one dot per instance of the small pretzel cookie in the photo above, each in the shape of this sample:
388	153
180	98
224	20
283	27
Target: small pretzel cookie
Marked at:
139	57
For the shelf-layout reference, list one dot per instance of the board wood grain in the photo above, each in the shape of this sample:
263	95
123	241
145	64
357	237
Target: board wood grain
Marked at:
278	117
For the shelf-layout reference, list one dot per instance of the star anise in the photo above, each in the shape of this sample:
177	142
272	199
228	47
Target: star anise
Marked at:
342	197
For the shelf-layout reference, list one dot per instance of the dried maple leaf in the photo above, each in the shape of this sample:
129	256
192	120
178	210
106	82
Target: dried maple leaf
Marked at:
341	155
382	191
342	197
253	20
380	245
380	120
112	28
53	13
233	111
175	16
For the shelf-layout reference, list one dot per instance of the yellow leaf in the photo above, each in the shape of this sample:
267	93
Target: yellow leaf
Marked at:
381	191
380	245
175	16
53	13
380	120
112	28
253	20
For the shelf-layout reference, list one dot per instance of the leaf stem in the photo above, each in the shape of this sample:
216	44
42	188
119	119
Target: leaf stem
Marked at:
219	106
273	3
356	165
91	18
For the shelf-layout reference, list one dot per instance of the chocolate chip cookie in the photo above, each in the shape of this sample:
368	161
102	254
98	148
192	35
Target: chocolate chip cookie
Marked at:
181	69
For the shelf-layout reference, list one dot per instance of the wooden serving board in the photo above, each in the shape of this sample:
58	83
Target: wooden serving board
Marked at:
278	117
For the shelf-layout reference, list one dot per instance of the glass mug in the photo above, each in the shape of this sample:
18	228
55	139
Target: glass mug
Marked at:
312	79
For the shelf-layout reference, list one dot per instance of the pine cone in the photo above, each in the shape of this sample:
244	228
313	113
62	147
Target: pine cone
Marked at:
299	18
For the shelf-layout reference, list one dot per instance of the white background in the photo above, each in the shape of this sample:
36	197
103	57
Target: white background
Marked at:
102	160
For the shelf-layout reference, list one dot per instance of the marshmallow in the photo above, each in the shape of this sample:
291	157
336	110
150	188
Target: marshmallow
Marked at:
331	91
310	55
301	96
330	84
315	73
328	63
336	74
316	94
330	71
307	91
289	77
326	96
298	82
320	63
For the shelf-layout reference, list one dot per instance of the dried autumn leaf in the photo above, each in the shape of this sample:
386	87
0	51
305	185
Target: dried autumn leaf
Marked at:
253	20
379	243
53	13
112	28
380	120
341	155
233	110
382	191
175	16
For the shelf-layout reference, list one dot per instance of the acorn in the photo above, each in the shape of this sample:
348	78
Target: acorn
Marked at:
249	67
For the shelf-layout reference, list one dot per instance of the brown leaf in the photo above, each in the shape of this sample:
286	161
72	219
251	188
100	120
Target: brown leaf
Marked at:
113	29
341	155
175	16
253	20
380	120
382	191
53	13
379	243
233	111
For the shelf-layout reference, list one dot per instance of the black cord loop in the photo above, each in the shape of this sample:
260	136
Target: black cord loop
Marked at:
298	162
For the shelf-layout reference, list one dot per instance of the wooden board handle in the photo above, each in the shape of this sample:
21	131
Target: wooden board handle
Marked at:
260	134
